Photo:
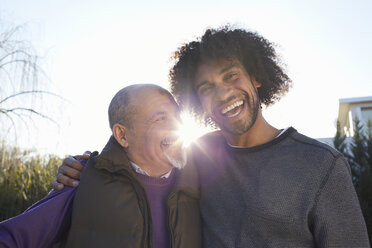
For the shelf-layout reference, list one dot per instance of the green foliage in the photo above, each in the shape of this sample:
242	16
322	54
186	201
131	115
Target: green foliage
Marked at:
358	161
25	178
358	152
339	140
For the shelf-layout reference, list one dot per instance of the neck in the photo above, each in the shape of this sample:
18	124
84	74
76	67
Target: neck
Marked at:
155	172
260	133
153	168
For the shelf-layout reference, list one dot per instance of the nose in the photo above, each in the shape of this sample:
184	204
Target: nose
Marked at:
222	92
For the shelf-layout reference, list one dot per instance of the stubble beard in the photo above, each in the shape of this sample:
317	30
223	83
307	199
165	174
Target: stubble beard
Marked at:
177	163
245	126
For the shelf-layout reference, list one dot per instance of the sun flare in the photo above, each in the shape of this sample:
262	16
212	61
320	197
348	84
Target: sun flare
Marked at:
190	130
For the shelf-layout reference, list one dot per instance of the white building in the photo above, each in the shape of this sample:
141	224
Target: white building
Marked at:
351	109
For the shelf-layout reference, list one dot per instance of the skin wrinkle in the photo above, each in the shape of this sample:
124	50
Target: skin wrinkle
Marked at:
228	81
151	140
254	52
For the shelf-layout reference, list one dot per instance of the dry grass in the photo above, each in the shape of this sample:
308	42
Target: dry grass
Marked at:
25	177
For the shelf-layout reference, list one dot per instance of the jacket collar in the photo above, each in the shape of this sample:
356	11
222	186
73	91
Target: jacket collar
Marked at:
113	157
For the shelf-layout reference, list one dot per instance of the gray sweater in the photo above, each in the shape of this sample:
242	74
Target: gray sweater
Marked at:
290	192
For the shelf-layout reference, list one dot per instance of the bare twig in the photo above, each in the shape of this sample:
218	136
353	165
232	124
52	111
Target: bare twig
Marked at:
32	111
21	75
31	92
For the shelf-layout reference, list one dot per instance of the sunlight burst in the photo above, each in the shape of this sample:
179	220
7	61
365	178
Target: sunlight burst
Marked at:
190	130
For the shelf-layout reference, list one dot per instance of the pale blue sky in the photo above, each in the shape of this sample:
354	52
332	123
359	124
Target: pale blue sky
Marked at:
94	48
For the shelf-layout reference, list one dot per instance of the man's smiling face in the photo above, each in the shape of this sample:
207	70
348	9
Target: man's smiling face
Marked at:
153	141
228	95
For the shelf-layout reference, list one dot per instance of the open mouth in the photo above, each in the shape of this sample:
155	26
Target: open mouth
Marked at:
171	141
173	147
233	109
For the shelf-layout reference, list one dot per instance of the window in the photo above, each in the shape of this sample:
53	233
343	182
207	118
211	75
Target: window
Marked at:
366	114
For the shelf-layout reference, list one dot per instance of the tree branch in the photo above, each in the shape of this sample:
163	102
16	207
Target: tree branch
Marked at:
24	61
32	111
31	92
11	120
18	51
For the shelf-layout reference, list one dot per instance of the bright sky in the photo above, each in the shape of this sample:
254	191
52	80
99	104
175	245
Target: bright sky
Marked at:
94	48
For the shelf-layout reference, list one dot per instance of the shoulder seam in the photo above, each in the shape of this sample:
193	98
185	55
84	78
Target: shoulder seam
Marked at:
335	155
324	181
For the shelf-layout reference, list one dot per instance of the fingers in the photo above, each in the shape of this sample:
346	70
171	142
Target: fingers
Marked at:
85	156
69	172
65	180
73	163
56	185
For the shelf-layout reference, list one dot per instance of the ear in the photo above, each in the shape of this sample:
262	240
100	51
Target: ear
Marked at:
255	83
120	133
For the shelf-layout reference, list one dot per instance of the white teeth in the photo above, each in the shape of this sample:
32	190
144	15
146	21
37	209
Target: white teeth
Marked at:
231	107
170	141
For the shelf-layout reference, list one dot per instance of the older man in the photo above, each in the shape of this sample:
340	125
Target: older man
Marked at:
132	194
260	186
124	198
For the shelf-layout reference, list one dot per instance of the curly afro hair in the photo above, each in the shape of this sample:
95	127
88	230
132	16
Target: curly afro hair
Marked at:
254	52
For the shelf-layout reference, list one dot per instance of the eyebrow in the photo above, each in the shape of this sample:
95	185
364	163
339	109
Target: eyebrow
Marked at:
200	84
230	66
225	69
156	115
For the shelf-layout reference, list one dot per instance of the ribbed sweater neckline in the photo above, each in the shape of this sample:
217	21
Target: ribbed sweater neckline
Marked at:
262	146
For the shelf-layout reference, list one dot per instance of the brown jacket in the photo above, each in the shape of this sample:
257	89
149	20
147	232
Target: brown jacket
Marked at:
111	208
